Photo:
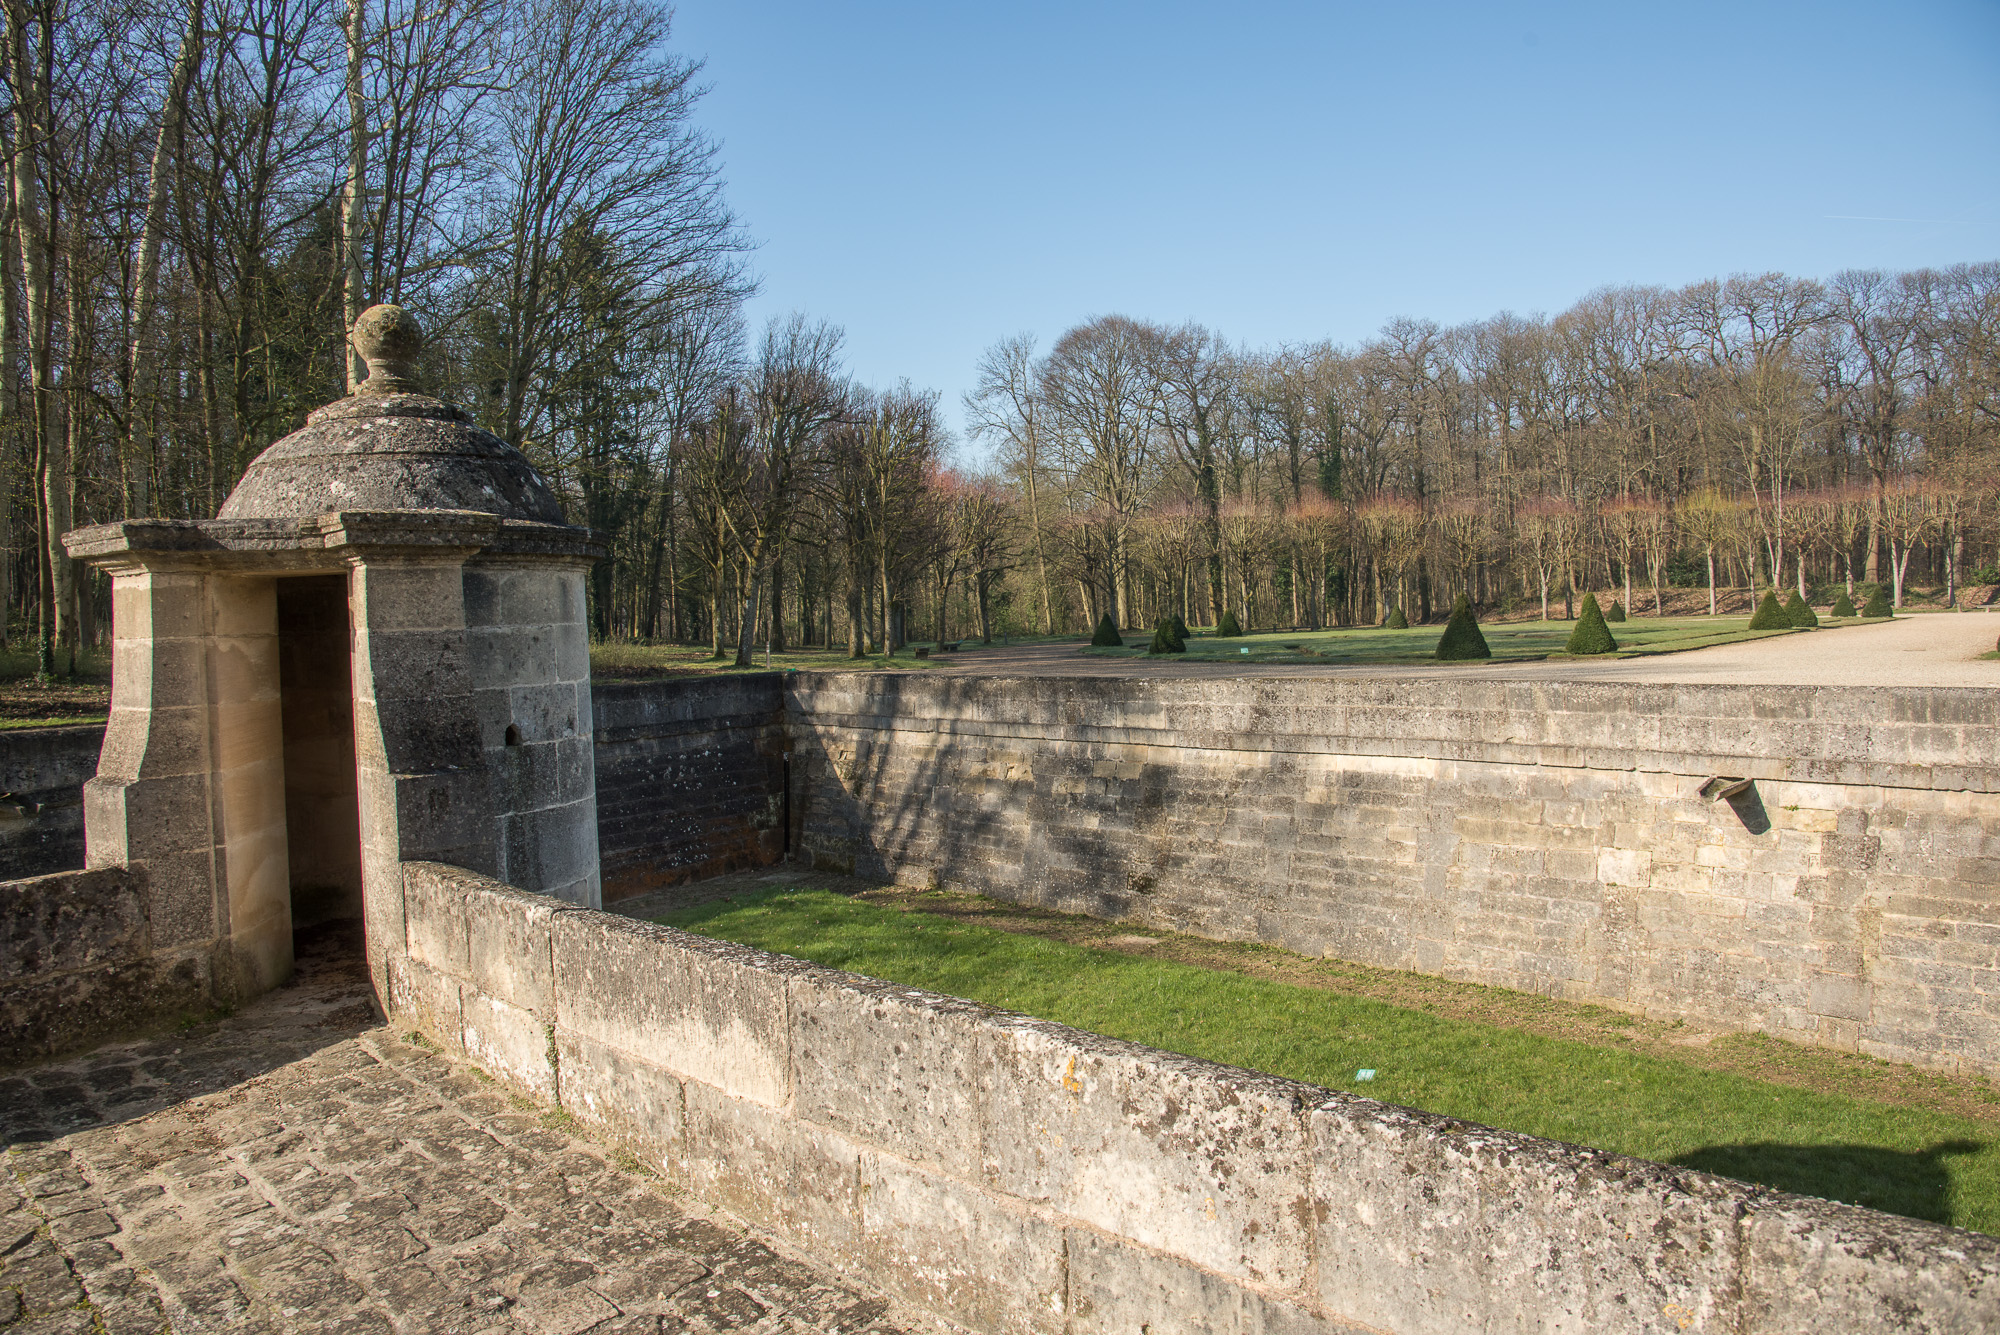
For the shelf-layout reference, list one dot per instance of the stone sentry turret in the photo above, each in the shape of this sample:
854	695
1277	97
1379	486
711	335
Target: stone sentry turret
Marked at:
376	653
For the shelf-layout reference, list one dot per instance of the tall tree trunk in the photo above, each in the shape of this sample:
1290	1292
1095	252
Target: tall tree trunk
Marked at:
29	77
146	276
354	195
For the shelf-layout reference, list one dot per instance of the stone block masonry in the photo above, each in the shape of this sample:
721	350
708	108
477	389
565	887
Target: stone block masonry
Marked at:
43	771
1541	836
1015	1175
79	963
690	779
689	774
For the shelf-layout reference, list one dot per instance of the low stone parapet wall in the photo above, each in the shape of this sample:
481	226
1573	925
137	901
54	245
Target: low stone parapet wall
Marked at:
1543	836
1016	1175
78	964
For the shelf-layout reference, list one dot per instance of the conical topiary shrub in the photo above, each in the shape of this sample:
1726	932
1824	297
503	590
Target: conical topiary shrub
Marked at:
1843	606
1799	613
1181	632
1164	639
1229	627
1617	612
1462	637
1107	636
1878	604
1591	635
1770	616
1396	621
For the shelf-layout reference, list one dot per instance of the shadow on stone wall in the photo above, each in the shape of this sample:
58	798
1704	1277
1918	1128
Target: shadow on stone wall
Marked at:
1906	1182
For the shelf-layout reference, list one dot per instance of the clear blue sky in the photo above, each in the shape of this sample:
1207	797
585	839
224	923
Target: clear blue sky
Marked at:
934	177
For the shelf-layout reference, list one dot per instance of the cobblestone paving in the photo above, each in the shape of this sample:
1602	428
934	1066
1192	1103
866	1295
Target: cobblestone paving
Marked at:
296	1168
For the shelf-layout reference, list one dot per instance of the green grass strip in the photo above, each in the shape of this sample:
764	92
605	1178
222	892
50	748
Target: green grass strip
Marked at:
1904	1160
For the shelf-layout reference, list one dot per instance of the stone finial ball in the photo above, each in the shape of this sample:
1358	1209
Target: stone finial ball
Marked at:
389	339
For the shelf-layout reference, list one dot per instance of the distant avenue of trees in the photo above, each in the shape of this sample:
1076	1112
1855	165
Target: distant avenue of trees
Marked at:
201	195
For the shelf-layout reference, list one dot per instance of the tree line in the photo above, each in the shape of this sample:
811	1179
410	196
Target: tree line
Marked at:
1759	430
201	195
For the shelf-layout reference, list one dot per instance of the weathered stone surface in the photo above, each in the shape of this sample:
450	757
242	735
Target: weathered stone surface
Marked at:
1013	1174
298	1168
41	821
77	964
391	452
1433	1225
690	779
702	1009
927	1056
1179	1155
1542	836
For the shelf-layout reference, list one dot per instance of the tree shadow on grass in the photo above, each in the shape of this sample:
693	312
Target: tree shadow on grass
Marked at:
1916	1183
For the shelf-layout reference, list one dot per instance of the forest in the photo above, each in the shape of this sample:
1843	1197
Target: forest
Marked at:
202	195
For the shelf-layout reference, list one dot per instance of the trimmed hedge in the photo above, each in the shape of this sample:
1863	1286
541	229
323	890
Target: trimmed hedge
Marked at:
1617	612
1878	604
1396	620
1591	635
1843	606
1769	615
1181	632
1107	636
1799	612
1164	639
1462	637
1229	627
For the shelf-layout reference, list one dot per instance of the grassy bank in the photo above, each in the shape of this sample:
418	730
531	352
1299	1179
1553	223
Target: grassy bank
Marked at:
1511	642
1906	1159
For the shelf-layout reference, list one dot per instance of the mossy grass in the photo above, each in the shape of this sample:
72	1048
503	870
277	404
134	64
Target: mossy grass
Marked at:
1799	613
1462	638
1910	1160
1107	636
1396	620
1769	614
1228	628
1843	606
1591	635
1878	603
1617	612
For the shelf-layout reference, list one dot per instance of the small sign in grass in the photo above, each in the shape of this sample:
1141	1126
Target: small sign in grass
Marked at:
1907	1160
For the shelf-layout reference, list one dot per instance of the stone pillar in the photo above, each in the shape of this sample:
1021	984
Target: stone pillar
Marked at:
419	767
190	782
529	651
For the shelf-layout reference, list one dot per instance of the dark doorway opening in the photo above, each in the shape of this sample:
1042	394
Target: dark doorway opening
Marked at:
322	815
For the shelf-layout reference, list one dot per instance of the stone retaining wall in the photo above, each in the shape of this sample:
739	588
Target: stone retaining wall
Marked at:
78	964
690	779
42	771
690	783
1541	836
1016	1175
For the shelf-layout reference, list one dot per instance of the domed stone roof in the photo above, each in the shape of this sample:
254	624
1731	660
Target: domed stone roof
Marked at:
388	447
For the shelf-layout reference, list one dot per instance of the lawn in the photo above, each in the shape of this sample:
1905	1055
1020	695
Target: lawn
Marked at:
1511	642
1909	1160
615	661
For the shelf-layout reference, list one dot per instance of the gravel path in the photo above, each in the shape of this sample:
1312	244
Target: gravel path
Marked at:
1924	649
298	1168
